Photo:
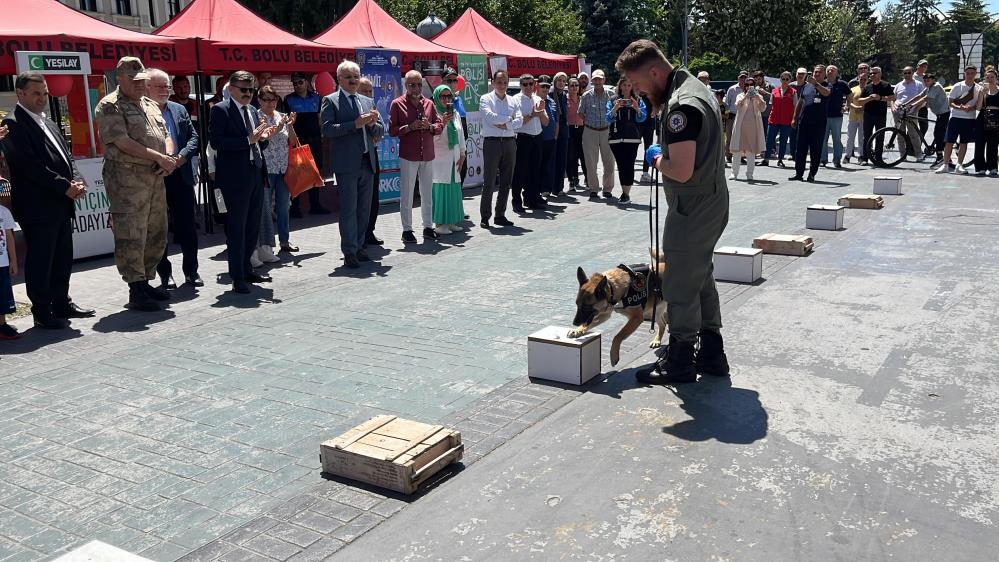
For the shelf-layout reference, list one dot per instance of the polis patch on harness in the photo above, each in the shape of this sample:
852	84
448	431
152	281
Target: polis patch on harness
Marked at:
638	285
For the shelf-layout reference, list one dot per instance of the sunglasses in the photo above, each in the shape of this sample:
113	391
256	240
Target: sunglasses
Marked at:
266	100
527	83
297	82
546	86
907	73
244	90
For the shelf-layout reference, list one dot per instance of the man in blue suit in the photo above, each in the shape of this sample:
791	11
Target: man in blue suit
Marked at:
352	122
183	145
239	137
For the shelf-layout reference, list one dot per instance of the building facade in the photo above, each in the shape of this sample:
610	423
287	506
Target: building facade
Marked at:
137	15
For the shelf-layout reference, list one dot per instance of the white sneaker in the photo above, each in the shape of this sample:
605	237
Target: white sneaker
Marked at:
645	177
266	254
456	228
942	169
960	170
254	260
442	229
749	177
979	172
732	177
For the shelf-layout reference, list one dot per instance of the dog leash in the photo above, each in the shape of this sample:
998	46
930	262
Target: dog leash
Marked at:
655	282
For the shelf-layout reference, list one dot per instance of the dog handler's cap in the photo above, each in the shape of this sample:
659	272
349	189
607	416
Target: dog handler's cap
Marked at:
131	67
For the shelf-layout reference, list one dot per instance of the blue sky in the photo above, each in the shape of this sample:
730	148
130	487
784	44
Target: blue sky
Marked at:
992	5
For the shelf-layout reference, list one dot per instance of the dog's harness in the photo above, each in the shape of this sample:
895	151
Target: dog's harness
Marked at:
639	277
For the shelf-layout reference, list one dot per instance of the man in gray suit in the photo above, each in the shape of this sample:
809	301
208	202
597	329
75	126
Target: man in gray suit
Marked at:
352	122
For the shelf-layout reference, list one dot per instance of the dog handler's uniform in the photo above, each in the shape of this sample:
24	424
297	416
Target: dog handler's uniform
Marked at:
698	209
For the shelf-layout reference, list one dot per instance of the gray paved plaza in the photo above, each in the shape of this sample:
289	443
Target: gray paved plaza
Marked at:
858	424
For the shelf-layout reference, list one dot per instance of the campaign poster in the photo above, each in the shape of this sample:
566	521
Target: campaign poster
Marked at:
92	234
381	66
473	69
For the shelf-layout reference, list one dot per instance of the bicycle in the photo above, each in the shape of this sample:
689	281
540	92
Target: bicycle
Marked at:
895	143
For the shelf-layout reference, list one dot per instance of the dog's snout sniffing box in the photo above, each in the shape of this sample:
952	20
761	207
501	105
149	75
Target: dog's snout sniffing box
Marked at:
553	355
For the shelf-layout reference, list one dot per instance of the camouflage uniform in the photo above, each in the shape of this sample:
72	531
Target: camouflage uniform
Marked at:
136	193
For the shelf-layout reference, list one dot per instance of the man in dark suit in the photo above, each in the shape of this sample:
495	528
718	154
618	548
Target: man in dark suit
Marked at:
183	145
239	136
352	122
366	88
43	189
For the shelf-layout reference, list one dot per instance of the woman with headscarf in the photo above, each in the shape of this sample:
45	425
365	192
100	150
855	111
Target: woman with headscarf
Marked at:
747	132
449	154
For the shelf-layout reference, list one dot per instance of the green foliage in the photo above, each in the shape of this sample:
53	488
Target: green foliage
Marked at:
718	66
757	33
608	28
895	40
842	35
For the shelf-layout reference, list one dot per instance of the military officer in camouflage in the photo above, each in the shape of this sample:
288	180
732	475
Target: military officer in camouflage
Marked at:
136	159
692	165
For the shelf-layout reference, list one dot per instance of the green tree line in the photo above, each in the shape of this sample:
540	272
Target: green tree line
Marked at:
724	35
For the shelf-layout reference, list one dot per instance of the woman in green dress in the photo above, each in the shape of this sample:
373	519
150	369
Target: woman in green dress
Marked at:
449	154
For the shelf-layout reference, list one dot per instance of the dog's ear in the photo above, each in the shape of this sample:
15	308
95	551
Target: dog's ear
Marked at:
581	276
603	289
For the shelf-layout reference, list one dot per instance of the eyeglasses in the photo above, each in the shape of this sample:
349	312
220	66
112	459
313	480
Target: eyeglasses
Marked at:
413	84
298	82
907	73
266	100
785	78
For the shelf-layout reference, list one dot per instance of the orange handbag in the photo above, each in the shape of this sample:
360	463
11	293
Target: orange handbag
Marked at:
302	174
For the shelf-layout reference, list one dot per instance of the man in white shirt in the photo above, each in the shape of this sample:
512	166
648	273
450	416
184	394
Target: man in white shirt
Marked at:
961	127
527	175
501	118
906	92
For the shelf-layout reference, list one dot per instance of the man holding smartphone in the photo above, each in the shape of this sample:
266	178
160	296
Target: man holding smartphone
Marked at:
810	120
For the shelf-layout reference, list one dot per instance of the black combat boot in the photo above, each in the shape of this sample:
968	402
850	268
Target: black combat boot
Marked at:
155	293
711	358
139	300
676	366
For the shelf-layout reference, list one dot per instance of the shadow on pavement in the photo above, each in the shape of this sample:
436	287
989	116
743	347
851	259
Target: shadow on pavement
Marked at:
719	411
367	269
34	339
258	295
432	483
509	230
297	259
131	321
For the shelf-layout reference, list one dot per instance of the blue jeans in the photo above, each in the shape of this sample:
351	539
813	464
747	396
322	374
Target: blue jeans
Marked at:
282	201
785	132
834	127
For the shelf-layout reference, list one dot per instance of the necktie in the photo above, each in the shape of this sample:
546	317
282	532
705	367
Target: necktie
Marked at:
357	110
254	150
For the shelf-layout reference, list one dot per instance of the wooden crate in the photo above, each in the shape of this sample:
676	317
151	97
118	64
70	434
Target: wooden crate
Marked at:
859	201
784	244
391	452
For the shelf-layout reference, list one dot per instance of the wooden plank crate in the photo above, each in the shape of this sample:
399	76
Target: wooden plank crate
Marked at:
784	244
859	201
391	452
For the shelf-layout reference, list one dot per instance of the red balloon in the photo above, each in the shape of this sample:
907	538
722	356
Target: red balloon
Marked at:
325	85
461	84
59	84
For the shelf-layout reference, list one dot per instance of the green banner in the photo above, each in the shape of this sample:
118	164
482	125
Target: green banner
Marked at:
473	69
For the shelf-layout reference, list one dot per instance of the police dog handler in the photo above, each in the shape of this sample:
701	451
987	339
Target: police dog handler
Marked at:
692	166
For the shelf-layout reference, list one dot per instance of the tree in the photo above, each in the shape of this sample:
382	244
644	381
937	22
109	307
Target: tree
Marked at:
842	35
895	40
608	28
718	66
757	33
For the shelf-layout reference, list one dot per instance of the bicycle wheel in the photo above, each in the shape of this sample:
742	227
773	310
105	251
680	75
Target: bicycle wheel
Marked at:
893	147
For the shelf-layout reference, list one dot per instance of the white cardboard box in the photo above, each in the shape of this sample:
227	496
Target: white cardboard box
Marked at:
742	265
888	185
553	355
825	217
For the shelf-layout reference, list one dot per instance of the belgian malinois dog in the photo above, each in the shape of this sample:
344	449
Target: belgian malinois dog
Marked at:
628	290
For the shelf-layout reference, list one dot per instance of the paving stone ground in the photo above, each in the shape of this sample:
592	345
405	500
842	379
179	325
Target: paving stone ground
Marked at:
193	433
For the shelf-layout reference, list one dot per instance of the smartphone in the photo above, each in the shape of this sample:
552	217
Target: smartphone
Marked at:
752	90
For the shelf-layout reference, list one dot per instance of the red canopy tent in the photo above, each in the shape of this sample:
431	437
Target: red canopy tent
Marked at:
231	37
471	32
367	25
29	25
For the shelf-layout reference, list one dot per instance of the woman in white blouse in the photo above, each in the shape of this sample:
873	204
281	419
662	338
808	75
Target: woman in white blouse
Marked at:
276	191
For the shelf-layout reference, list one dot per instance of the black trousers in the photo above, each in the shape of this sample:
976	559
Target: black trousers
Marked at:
548	166
810	135
181	204
575	158
940	132
527	172
624	157
924	124
873	123
242	224
986	148
47	265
